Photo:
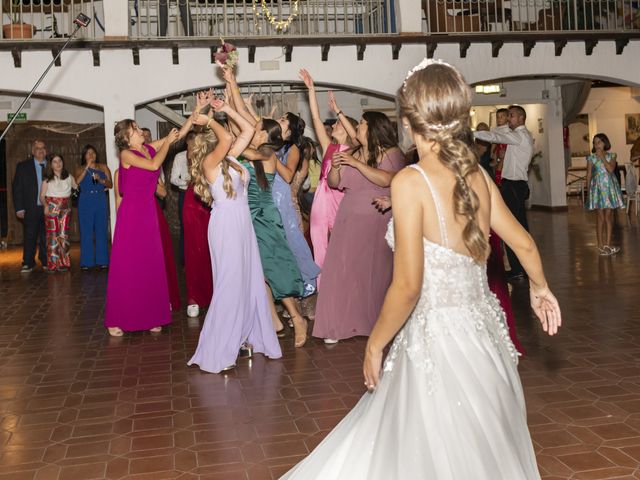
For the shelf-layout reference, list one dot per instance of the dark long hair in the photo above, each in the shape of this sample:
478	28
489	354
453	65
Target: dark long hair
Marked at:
270	147
48	171
296	126
381	135
308	151
85	150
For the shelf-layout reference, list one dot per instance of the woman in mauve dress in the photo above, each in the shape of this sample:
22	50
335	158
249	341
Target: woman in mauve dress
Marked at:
358	266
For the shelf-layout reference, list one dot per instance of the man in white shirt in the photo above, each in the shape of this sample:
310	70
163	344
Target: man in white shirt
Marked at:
180	177
515	172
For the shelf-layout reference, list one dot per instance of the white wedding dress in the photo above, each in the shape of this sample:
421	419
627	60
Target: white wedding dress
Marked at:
449	405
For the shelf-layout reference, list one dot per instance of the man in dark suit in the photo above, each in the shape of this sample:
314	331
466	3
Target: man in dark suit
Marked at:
26	201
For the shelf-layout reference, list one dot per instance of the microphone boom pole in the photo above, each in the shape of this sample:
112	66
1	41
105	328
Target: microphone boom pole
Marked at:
81	21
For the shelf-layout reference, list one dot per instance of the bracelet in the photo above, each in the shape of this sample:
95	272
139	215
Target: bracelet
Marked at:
339	112
209	124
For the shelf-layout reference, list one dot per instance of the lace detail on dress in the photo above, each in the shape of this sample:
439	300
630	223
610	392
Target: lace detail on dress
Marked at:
455	300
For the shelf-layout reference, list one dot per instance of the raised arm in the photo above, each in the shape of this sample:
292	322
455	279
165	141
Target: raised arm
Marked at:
221	150
238	103
611	164
408	265
342	118
245	134
323	139
543	303
131	159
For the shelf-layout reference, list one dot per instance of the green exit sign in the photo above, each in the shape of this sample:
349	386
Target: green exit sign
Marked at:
21	117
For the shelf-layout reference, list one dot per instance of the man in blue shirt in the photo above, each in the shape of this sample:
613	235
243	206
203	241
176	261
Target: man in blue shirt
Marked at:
26	186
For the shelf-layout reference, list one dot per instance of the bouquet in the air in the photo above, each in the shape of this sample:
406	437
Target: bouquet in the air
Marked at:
227	54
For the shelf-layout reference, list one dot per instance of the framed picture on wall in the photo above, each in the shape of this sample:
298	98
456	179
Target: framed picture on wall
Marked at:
632	127
579	140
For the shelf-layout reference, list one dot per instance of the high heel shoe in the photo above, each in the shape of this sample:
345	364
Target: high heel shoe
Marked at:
155	329
246	350
300	336
115	331
281	333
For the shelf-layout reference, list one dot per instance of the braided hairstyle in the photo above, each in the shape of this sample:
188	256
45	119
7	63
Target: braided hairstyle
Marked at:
203	144
436	101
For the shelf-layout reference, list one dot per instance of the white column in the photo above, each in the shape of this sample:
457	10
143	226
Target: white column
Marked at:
556	168
116	19
409	16
113	113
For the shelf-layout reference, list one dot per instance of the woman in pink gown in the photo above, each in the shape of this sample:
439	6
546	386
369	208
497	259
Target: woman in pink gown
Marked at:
326	200
138	287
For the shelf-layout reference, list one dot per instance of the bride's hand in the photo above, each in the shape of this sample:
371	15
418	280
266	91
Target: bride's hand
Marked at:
546	308
371	367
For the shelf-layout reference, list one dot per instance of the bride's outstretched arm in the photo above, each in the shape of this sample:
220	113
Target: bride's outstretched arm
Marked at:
543	302
408	265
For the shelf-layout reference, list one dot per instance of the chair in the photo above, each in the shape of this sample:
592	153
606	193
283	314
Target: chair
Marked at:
441	21
631	186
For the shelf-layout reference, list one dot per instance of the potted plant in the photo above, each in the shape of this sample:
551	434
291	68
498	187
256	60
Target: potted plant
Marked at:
16	29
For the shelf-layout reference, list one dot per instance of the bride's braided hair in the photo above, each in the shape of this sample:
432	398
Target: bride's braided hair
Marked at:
436	101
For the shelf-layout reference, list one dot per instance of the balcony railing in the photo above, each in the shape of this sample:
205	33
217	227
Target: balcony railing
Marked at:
238	18
49	19
470	16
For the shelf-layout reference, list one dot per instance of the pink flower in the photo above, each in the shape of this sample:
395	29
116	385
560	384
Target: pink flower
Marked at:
228	47
221	57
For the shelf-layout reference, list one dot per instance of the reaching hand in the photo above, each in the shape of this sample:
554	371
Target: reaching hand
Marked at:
218	104
332	102
546	308
203	98
201	119
227	73
173	135
306	78
382	204
248	101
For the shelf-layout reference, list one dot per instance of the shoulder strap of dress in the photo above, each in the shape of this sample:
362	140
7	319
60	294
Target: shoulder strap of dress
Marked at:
436	201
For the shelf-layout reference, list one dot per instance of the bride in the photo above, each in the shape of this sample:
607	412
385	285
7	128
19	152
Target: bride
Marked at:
448	403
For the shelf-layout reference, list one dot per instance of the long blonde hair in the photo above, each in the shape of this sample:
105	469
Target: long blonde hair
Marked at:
436	101
203	144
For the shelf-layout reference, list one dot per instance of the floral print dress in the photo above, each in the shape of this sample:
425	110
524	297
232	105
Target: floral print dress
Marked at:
604	189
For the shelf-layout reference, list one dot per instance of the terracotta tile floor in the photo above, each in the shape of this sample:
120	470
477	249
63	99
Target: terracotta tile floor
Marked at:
77	404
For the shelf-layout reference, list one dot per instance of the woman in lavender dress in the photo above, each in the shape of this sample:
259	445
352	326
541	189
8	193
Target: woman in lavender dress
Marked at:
239	316
137	288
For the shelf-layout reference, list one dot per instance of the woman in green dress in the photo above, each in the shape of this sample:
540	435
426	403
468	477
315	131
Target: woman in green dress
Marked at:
278	263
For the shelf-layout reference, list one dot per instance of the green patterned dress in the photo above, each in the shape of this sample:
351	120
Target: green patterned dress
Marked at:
604	190
278	263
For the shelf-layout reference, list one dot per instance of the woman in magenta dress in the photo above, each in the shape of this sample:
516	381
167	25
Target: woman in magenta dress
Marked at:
326	200
358	266
138	288
239	317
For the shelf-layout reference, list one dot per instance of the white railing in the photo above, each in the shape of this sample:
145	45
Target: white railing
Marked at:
462	16
237	18
49	19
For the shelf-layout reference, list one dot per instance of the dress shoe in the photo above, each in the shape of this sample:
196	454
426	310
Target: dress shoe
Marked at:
26	269
193	311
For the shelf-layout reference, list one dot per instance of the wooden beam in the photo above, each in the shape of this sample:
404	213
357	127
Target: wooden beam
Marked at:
361	48
495	48
431	49
395	51
620	44
559	46
95	51
135	51
16	53
252	54
464	46
288	50
175	55
589	45
325	51
527	46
